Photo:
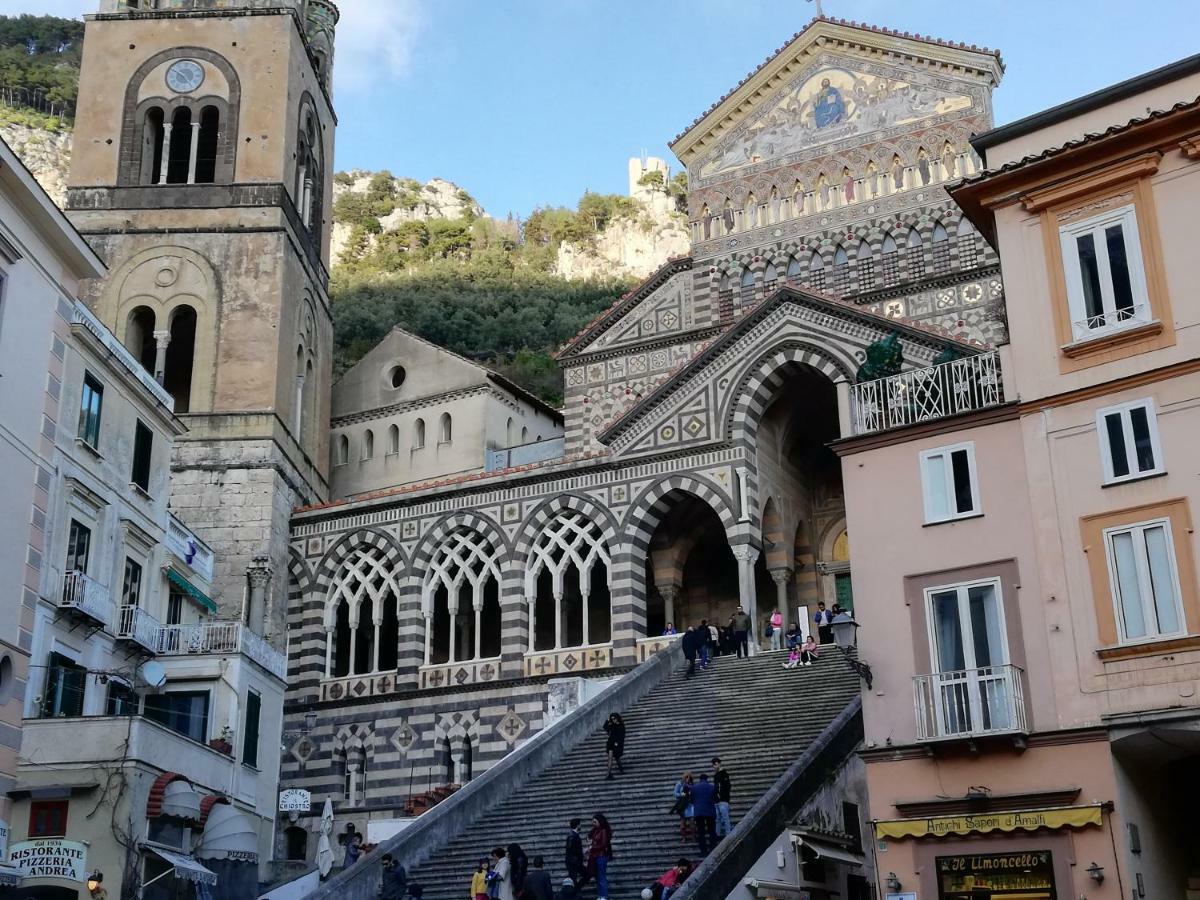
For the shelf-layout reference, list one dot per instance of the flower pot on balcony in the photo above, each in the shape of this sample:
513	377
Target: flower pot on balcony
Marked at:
223	745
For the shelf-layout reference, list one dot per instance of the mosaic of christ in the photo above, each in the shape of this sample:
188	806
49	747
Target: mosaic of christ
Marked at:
834	103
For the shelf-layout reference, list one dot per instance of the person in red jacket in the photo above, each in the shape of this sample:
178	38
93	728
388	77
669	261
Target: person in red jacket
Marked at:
599	853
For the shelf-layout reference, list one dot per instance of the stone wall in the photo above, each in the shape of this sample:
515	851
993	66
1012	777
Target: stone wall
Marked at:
47	155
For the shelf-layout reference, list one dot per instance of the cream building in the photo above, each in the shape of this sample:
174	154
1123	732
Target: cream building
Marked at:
410	411
1030	604
42	264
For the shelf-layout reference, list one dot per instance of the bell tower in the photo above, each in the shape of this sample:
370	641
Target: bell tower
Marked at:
202	175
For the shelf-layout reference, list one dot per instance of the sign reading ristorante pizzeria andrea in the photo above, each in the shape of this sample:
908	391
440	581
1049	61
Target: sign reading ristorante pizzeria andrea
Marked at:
50	859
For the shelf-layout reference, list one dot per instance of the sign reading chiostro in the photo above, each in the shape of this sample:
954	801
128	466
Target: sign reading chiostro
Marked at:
50	859
1024	820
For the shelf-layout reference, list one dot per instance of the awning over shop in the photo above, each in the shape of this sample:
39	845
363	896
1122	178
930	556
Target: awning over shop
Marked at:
228	834
1024	820
191	590
825	850
186	868
763	888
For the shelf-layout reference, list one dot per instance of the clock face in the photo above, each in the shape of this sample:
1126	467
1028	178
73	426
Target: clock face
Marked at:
185	76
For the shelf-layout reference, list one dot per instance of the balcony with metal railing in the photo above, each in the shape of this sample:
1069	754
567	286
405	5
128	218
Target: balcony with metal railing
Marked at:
136	626
220	639
87	597
970	703
922	395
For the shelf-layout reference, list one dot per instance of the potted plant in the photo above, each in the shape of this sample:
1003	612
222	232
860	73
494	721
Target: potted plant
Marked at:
224	741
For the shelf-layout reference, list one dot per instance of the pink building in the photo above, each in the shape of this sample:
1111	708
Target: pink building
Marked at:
1025	572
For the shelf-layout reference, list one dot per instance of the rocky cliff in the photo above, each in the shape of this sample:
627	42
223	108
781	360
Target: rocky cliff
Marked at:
47	154
633	247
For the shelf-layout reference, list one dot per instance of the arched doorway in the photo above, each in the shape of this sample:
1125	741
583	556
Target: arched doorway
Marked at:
802	476
690	570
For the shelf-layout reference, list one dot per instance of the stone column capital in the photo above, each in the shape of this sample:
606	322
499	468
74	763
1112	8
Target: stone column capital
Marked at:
668	591
745	553
781	576
259	571
162	339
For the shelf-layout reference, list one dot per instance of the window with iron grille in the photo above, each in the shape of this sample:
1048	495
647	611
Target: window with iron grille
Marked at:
891	268
866	274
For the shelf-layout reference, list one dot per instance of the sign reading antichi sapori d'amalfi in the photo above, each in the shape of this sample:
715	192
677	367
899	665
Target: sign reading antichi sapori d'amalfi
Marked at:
50	859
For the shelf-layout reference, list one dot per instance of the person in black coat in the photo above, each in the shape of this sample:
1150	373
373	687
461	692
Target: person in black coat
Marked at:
573	854
518	868
537	882
615	745
691	647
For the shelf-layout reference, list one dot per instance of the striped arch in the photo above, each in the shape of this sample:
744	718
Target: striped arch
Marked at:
457	729
459	521
759	381
386	546
648	509
365	577
533	526
300	576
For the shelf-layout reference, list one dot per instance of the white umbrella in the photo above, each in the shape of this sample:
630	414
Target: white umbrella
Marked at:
324	848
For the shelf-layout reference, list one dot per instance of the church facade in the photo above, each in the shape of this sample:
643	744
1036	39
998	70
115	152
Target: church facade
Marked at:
436	623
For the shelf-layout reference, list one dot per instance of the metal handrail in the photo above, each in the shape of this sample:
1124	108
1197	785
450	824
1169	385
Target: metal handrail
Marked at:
970	702
920	395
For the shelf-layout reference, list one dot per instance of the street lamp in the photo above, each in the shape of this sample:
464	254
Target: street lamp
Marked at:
845	636
95	885
893	883
1096	873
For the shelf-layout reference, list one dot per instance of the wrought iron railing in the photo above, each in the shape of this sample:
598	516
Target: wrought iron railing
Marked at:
1111	320
961	385
970	702
220	638
87	595
137	625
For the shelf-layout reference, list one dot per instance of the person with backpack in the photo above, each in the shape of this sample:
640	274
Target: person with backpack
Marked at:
691	641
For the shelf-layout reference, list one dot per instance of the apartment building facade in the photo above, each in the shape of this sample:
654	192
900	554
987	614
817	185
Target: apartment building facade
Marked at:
1029	603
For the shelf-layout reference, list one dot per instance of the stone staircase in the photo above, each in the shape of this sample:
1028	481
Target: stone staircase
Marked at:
752	713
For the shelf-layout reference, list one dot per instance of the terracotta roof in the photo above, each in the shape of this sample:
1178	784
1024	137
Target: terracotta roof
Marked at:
627	301
155	800
941	334
862	26
1089	138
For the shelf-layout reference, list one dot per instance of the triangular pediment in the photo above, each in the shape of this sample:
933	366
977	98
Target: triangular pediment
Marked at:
693	407
878	79
835	99
659	307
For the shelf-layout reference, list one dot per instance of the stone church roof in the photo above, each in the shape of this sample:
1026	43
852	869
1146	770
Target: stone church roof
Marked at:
843	23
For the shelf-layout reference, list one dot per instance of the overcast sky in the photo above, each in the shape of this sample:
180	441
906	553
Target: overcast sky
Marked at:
530	102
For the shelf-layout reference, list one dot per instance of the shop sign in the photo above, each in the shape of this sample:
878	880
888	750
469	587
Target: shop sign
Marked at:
3	840
1025	820
50	859
1027	873
910	895
295	800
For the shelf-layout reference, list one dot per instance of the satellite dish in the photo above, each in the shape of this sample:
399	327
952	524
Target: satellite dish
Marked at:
153	674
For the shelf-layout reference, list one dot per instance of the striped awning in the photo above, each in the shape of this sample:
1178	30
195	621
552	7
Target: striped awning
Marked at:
191	590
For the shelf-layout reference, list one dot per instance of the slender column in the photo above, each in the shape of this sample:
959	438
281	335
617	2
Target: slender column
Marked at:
453	610
193	151
329	638
308	195
746	557
478	604
532	601
259	572
845	412
584	594
166	153
669	594
782	578
299	406
378	628
428	637
350	669
162	340
558	619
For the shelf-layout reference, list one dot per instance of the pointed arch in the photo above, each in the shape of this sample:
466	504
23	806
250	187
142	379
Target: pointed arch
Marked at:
941	249
890	261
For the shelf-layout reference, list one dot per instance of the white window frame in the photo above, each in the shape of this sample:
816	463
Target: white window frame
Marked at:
1126	217
961	588
1124	409
976	507
1147	597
